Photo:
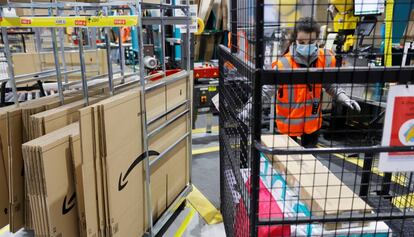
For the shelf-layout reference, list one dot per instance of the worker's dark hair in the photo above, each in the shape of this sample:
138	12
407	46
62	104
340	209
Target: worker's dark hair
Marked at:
306	24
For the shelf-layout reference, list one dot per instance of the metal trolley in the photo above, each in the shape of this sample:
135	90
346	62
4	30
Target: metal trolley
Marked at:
88	18
272	186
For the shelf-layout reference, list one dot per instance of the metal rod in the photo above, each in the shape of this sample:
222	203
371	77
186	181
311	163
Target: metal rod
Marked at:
109	61
83	69
189	95
354	217
121	55
163	41
62	48
144	124
10	69
160	128
43	77
168	111
165	152
57	65
256	119
171	79
330	150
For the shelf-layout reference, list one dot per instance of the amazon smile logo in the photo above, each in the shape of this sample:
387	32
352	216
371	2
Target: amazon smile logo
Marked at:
67	206
122	182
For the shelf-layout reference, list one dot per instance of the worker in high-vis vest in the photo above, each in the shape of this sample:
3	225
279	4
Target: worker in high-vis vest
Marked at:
298	106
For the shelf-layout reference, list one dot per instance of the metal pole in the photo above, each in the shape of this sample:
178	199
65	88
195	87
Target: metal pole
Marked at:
62	49
163	41
256	117
189	95
109	61
121	56
82	66
57	65
10	70
108	57
144	123
233	13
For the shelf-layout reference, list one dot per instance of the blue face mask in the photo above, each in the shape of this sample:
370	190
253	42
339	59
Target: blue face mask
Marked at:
307	50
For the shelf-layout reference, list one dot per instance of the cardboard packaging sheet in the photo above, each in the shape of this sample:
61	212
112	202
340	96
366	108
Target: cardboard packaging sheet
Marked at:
319	188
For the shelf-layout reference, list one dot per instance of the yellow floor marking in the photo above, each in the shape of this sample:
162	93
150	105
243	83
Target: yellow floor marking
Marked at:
206	150
404	201
185	222
204	207
4	230
203	130
400	179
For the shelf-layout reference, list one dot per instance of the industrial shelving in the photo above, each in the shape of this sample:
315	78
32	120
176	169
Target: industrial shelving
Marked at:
98	17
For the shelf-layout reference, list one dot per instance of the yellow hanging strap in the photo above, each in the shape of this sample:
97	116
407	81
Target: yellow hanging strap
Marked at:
389	15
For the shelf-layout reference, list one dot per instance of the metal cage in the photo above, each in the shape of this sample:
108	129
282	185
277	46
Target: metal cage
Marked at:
298	158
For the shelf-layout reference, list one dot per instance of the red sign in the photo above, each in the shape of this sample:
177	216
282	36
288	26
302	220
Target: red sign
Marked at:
80	22
119	22
25	21
402	129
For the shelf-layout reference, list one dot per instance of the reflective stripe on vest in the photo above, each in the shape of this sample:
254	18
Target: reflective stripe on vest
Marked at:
294	104
296	121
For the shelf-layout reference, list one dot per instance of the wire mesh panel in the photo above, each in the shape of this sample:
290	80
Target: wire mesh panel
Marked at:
303	98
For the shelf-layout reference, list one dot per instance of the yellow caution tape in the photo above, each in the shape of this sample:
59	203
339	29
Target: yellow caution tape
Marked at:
389	15
205	150
74	21
204	207
186	222
203	130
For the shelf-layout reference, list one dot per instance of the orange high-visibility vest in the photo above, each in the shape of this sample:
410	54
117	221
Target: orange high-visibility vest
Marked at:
295	112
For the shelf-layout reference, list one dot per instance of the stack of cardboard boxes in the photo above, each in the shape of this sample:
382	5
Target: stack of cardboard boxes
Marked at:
27	63
84	173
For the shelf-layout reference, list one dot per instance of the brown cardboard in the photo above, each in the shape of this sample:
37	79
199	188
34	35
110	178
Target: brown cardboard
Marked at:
319	188
155	102
176	93
176	171
88	213
100	171
95	61
121	137
169	135
52	160
93	201
4	197
16	178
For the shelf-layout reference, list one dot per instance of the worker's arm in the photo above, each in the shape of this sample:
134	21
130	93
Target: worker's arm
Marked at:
267	93
339	95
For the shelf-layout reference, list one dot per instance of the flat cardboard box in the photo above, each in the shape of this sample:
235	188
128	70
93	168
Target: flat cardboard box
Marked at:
4	198
121	137
169	135
89	159
16	176
50	176
155	102
53	119
87	183
318	187
177	170
176	93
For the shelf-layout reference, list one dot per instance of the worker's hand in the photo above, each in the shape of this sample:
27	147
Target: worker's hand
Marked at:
348	102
